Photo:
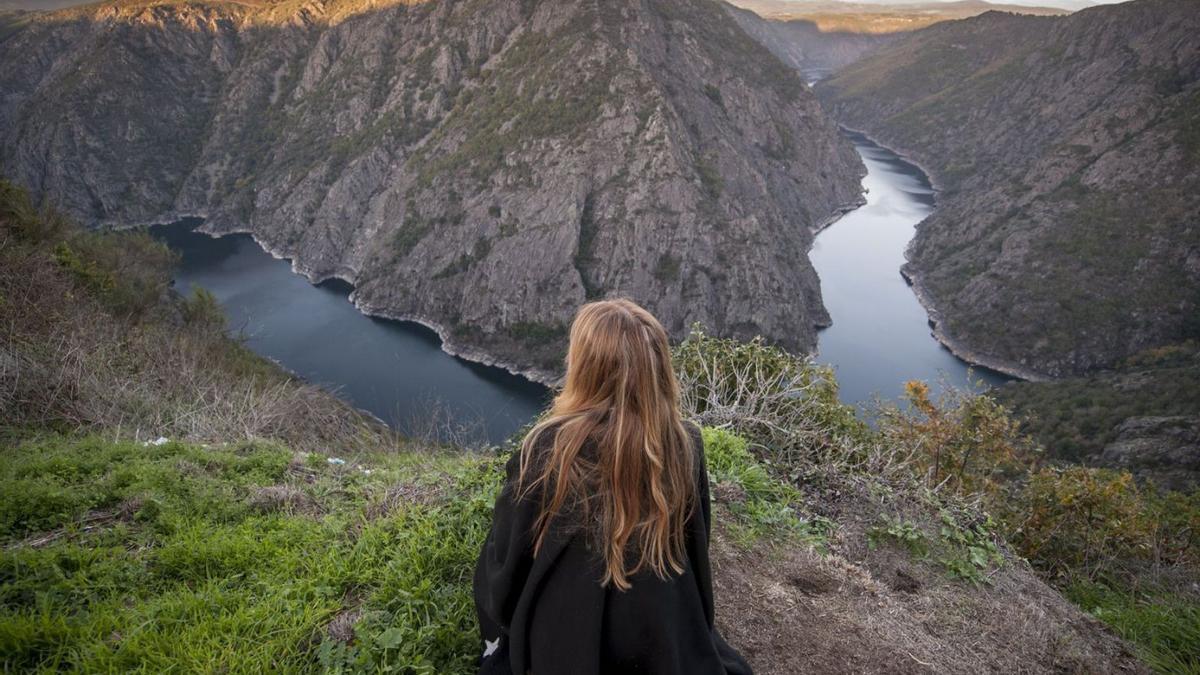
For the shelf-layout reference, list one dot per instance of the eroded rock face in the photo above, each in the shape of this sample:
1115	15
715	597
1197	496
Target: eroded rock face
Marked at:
1069	223
484	167
1165	450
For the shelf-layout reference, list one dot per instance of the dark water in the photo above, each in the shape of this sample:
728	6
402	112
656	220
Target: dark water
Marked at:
880	337
396	370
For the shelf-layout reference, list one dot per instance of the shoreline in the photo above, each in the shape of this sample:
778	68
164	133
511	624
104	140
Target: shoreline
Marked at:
959	350
925	298
347	274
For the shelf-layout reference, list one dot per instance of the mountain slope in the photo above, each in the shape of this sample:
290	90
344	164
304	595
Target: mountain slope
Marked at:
1066	236
273	528
482	167
804	45
818	37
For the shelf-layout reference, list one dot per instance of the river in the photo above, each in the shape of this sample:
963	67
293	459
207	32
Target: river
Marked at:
880	337
395	370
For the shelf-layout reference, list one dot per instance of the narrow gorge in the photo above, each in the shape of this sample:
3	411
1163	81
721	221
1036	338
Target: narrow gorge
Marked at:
1065	149
482	168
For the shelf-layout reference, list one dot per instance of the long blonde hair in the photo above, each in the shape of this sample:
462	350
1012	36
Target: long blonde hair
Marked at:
637	492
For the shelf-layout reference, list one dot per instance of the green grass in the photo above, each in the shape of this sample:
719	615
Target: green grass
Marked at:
123	557
1163	625
765	506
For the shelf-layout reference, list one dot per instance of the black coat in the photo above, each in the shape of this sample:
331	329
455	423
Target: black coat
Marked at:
552	616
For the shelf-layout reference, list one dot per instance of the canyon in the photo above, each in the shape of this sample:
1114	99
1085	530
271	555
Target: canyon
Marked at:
480	167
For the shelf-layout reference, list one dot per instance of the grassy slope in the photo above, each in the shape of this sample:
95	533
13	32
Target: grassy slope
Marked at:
243	548
251	557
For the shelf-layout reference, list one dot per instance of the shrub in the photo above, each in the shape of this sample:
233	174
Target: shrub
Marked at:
968	443
127	271
203	309
1088	522
765	505
19	216
785	405
538	333
714	94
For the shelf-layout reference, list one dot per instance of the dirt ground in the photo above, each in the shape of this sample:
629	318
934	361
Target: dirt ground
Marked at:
854	609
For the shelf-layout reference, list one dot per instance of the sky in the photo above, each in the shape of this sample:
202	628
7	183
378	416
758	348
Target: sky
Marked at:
1036	3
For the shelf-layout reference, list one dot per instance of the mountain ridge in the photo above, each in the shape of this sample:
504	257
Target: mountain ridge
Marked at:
1065	237
643	148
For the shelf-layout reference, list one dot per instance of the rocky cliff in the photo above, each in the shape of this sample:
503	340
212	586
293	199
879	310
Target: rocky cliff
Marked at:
1067	152
483	167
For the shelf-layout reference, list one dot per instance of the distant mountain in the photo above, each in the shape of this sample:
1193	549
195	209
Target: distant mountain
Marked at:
802	44
483	167
1067	150
831	16
820	36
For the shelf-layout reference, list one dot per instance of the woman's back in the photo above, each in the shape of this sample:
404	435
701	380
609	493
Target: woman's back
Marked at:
597	561
556	617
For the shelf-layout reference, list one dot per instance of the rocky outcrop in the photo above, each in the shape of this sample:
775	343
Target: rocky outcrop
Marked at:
482	167
1067	235
1165	450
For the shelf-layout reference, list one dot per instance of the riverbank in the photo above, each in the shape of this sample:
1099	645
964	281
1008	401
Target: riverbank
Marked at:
924	297
349	276
956	347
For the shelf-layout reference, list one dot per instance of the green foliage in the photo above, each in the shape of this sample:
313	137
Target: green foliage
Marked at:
965	553
907	534
411	232
538	333
765	506
970	550
481	249
713	93
26	222
126	271
1088	522
667	268
1163	624
166	557
203	309
1076	417
88	273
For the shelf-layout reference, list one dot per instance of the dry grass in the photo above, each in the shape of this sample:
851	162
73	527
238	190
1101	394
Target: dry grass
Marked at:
70	361
856	609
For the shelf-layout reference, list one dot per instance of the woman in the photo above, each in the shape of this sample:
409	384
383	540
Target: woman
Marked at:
597	561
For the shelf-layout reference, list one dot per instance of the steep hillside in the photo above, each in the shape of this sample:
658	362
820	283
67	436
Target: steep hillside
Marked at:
1143	416
818	37
482	167
805	46
171	502
1066	236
